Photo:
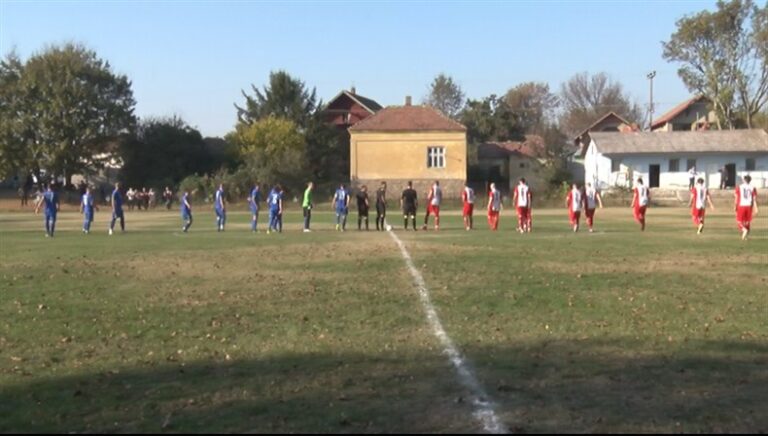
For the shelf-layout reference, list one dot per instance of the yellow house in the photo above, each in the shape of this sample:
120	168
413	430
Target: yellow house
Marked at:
402	143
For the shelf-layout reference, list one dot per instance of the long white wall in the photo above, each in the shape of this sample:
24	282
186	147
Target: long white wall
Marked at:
598	168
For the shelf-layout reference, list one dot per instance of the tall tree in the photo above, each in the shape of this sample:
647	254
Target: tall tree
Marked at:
585	98
274	150
445	95
284	97
491	119
163	152
724	56
534	104
13	153
66	107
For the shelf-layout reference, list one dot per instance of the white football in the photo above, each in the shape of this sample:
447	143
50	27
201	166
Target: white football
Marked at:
389	228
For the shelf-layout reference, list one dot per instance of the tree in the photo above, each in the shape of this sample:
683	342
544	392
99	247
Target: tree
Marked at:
445	95
13	153
490	119
163	152
585	98
724	56
65	105
284	97
534	104
274	150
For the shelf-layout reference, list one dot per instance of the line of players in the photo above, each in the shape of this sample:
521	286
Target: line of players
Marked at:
577	200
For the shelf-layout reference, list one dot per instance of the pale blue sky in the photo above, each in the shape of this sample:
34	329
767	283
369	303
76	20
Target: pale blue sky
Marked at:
192	58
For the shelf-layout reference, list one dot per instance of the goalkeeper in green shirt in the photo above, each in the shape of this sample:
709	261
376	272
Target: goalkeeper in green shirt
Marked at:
307	206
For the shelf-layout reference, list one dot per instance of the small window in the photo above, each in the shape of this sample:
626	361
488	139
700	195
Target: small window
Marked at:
691	163
615	165
522	165
436	157
674	165
751	165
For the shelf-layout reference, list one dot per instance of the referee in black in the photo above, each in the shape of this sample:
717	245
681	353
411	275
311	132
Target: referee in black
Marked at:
381	206
409	203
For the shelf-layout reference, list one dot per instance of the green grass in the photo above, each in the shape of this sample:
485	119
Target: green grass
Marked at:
156	331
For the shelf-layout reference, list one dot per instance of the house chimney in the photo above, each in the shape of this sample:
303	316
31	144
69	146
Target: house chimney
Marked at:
407	100
352	90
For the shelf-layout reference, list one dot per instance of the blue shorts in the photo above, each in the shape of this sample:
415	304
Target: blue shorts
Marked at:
186	215
342	211
117	214
219	212
254	209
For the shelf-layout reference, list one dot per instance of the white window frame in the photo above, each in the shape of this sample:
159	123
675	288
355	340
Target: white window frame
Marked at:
436	157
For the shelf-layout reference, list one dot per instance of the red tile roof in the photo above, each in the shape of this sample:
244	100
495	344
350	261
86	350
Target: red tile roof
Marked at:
532	147
675	111
408	119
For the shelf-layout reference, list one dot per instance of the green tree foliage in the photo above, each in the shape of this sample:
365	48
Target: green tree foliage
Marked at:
445	95
273	150
724	56
491	119
61	110
585	98
534	104
163	152
284	97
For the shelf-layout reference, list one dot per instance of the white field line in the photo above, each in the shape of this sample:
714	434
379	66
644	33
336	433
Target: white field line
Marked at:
483	407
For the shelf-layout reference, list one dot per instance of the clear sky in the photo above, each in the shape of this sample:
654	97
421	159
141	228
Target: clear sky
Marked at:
192	58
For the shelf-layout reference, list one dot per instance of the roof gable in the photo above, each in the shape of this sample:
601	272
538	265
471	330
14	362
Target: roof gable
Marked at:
602	119
711	141
532	147
368	104
677	110
407	119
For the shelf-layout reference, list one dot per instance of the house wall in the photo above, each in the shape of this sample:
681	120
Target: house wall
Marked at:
688	119
401	156
531	169
598	168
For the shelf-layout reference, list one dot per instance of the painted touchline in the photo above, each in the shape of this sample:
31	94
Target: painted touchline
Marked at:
484	408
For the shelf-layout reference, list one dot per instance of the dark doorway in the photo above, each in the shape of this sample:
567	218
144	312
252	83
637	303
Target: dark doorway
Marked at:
654	174
730	170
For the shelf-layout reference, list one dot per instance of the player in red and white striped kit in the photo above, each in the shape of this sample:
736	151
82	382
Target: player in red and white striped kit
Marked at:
746	206
575	203
468	200
640	201
494	207
522	201
592	199
698	203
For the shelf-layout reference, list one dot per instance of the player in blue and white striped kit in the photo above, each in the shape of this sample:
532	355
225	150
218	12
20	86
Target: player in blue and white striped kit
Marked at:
275	202
87	207
51	201
220	206
341	204
254	201
117	209
186	212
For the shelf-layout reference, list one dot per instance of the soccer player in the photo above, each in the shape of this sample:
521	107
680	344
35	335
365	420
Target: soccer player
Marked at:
362	207
307	206
698	204
220	206
117	209
494	207
468	199
640	201
593	198
254	201
381	206
87	206
434	198
51	201
746	206
341	204
575	202
275	202
522	200
186	212
409	203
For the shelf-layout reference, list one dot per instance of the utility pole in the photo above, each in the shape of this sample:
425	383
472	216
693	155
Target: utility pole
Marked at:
650	77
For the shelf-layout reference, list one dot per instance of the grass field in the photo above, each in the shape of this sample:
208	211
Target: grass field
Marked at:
157	331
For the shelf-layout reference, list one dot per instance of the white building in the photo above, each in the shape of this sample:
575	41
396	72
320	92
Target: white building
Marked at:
663	159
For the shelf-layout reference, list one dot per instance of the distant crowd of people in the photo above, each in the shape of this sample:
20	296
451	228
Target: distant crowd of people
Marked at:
579	199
